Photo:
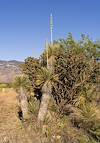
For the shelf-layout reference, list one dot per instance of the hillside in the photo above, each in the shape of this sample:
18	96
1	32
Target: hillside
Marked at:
9	70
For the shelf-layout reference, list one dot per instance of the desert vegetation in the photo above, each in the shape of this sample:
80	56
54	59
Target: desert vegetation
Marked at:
58	94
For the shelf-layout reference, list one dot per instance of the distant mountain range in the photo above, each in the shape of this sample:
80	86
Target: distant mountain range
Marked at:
9	70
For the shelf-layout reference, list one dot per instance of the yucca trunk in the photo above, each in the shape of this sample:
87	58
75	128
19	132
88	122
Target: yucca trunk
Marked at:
46	94
23	103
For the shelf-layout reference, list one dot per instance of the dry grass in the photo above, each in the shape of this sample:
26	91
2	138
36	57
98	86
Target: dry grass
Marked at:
11	128
56	129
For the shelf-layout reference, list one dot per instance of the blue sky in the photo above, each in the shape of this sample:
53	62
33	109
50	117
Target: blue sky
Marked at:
24	24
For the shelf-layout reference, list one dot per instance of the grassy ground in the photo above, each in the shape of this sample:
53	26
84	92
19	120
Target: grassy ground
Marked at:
55	129
12	130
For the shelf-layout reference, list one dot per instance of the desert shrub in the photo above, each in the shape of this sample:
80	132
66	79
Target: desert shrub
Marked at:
75	87
75	72
33	105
